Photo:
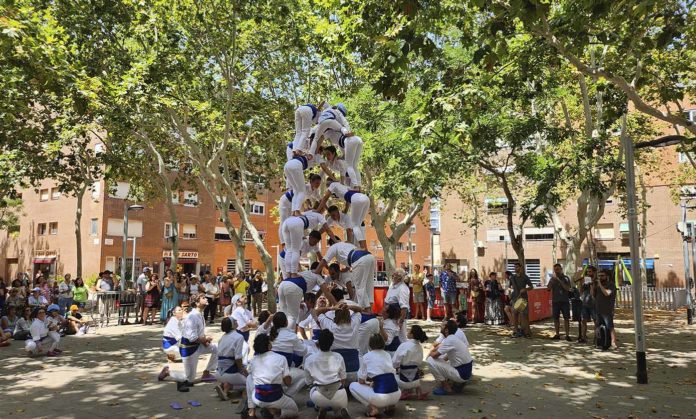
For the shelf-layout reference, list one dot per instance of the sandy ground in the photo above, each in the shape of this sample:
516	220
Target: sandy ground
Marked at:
113	373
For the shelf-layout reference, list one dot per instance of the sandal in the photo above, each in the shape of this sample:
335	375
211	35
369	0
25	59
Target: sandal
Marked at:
441	392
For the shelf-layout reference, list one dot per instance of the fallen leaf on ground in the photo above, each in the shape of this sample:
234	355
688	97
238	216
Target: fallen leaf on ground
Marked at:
532	408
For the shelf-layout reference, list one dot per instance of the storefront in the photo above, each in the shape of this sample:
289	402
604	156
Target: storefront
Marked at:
44	261
186	262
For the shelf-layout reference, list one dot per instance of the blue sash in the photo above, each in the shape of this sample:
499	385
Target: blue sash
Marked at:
351	357
290	145
289	195
293	359
315	334
232	369
300	282
365	317
384	383
313	108
327	115
268	392
245	335
405	368
349	195
342	141
168	342
303	160
305	221
356	254
187	348
394	345
282	253
464	370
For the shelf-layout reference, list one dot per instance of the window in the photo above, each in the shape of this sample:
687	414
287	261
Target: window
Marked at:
55	193
258	208
189	231
190	199
41	229
413	247
247	236
232	265
497	235
412	229
532	268
604	231
96	190
168	232
114	227
94	227
175	197
53	228
221	234
120	190
538	234
496	205
43	195
400	247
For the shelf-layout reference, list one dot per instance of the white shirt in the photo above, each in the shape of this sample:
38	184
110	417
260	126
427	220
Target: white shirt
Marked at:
343	220
193	289
398	293
324	368
460	334
141	283
339	251
41	301
365	331
375	363
408	353
230	345
194	326
173	328
309	193
38	330
344	335
339	166
391	327
455	350
242	316
311	279
338	190
103	285
211	290
316	220
54	321
288	342
338	116
268	368
65	290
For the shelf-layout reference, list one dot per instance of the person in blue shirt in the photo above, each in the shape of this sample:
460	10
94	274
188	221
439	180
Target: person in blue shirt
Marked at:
448	287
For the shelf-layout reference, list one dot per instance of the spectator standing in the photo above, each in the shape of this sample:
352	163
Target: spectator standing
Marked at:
494	303
256	291
226	291
80	293
604	293
448	287
141	289
477	297
212	292
182	286
520	316
584	280
429	288
559	284
170	297
152	298
65	294
418	294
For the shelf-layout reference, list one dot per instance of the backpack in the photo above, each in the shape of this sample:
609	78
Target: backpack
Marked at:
602	335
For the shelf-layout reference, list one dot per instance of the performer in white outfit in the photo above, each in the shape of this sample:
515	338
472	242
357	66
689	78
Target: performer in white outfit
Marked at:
352	149
344	328
362	265
326	372
335	167
392	328
230	368
293	232
40	339
342	279
399	294
305	117
461	322
294	173
384	391
450	362
331	119
268	372
291	292
286	343
172	334
359	204
370	325
310	245
312	191
243	317
335	217
408	361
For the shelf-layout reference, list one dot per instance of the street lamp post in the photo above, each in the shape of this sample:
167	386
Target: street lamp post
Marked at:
126	209
133	262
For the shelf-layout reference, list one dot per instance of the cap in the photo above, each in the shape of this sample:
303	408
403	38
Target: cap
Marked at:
74	307
107	272
52	307
236	298
342	108
37	289
146	269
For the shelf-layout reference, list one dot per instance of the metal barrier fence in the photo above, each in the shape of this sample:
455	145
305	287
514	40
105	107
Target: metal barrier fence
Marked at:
653	298
107	306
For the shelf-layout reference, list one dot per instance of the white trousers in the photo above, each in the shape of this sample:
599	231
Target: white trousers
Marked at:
293	232
191	363
288	407
235	380
174	350
284	211
303	126
363	278
407	385
298	382
352	152
365	395
46	345
443	371
294	173
290	298
359	207
325	125
337	402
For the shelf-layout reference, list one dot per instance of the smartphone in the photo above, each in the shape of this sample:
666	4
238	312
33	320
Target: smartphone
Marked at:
588	280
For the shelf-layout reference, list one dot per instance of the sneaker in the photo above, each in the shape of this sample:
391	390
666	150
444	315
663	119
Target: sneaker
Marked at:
182	387
556	337
188	383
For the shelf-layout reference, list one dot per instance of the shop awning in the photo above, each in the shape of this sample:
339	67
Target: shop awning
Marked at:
181	261
44	260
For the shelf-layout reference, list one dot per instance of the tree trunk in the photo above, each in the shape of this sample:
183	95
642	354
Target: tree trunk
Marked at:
78	231
174	220
389	251
476	256
643	227
239	256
